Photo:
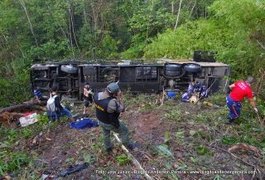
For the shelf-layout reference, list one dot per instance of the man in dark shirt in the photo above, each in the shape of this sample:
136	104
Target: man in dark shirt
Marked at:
109	105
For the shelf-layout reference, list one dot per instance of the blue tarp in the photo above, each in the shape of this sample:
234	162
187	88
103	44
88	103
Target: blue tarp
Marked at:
84	123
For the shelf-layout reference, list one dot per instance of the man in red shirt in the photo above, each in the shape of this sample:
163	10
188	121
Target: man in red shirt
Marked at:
239	90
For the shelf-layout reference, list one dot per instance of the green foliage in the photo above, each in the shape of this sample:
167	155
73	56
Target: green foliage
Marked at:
122	159
174	115
233	30
167	137
203	135
201	118
26	133
134	51
217	99
51	49
150	20
180	136
229	140
15	88
146	102
43	119
108	48
202	150
89	158
163	150
12	135
12	161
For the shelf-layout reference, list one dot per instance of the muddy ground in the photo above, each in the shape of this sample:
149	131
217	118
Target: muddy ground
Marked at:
176	141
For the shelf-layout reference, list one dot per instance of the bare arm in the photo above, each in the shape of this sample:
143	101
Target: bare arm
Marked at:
232	86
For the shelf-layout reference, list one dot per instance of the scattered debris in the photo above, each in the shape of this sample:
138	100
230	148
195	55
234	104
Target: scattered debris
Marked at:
194	99
28	119
73	169
11	116
206	103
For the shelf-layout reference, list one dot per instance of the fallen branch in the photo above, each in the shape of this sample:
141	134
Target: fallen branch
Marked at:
261	45
19	107
253	176
240	159
260	82
261	121
234	156
244	147
135	162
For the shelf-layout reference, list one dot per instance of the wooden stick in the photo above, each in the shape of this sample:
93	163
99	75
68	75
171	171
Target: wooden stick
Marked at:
253	176
260	120
135	162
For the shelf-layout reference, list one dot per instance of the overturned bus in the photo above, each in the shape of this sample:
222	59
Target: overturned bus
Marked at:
71	76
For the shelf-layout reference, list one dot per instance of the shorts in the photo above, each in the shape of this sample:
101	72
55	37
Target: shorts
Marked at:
87	101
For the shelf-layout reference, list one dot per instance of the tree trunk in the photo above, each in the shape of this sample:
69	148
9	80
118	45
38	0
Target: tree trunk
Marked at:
177	20
172	7
85	13
192	9
94	17
70	30
24	106
72	27
22	3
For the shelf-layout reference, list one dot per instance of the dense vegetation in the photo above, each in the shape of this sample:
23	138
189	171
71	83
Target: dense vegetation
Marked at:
37	30
99	29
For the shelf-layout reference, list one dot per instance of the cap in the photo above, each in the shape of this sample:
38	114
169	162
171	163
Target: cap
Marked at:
113	88
250	79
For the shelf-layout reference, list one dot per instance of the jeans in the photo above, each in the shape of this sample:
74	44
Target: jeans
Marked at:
55	115
234	108
122	131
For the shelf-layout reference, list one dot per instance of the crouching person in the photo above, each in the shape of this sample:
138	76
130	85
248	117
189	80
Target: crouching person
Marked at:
54	108
108	108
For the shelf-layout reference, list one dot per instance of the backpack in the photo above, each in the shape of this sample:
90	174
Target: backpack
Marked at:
51	104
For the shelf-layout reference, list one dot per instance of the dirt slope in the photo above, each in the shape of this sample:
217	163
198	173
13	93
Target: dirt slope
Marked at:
177	140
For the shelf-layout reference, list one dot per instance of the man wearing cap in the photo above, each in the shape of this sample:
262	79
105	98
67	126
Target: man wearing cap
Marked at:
238	91
108	108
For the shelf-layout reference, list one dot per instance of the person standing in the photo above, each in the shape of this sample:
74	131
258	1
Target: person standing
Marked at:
238	91
109	105
88	97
